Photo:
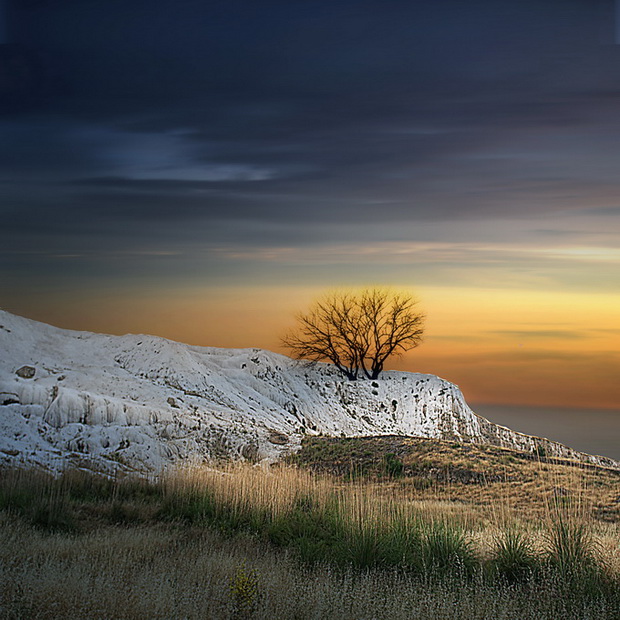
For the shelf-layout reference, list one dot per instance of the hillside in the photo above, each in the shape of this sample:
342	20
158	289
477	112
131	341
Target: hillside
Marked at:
143	402
478	477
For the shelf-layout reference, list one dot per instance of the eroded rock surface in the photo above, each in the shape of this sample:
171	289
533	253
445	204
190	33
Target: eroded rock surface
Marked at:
144	402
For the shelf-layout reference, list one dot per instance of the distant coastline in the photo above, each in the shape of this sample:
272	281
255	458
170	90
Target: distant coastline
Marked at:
595	431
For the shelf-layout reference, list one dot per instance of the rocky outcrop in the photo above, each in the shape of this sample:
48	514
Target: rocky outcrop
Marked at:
144	402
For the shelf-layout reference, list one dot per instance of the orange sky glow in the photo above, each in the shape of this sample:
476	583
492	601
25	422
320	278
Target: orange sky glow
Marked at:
501	346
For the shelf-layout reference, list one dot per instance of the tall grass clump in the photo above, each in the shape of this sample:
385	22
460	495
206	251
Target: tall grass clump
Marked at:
572	555
240	497
38	498
446	549
573	558
514	557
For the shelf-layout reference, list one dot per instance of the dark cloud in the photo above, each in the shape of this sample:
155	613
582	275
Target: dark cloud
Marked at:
612	211
166	124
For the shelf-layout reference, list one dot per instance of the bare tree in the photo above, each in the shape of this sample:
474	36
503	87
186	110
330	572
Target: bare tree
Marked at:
357	332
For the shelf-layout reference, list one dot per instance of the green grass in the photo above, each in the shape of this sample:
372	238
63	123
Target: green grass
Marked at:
514	558
331	529
115	573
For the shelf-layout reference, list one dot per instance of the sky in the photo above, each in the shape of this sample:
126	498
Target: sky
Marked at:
204	170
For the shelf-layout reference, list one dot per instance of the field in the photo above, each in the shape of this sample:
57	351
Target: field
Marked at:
354	528
486	479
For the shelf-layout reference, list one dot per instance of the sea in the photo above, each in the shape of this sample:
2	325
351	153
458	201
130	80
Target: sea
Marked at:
595	431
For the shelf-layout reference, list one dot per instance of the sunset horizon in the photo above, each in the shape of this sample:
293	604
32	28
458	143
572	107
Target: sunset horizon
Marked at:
204	173
499	346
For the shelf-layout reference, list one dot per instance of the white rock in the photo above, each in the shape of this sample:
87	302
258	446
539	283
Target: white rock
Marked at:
105	400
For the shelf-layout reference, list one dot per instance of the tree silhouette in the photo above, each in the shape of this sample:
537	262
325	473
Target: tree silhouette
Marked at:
357	332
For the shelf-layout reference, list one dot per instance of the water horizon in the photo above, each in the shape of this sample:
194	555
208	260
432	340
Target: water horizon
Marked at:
595	431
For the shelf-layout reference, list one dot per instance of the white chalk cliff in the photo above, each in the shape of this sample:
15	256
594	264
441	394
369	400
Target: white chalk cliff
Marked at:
71	398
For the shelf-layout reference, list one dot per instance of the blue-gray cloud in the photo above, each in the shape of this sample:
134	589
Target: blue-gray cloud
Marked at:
188	125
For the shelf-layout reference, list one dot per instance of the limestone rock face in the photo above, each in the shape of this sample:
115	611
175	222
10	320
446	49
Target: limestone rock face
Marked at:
142	402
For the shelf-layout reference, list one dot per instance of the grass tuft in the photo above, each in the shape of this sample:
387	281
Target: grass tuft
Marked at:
447	549
514	557
572	555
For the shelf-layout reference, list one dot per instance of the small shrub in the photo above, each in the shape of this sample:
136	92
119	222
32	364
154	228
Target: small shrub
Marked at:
244	592
392	465
540	452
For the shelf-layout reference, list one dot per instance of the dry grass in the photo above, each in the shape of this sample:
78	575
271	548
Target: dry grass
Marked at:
243	488
226	542
486	479
149	573
376	505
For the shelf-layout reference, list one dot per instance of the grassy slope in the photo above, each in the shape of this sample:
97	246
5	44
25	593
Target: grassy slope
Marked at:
394	527
481	476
